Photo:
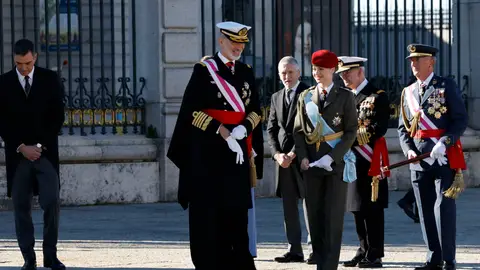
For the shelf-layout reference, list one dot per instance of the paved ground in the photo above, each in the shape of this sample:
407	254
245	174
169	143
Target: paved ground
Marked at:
155	236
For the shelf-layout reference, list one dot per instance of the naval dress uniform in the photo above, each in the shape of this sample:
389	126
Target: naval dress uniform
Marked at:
433	118
215	181
370	148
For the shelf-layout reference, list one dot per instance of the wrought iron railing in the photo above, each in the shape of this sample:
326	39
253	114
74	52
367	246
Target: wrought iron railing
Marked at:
92	45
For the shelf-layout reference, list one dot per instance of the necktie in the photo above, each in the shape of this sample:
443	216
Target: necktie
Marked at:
27	85
231	66
423	88
289	96
324	94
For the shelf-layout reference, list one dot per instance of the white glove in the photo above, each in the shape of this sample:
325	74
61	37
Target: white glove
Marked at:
325	162
239	132
442	160
235	147
438	150
411	154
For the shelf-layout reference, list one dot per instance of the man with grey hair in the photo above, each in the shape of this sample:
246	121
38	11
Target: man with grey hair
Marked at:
373	114
290	185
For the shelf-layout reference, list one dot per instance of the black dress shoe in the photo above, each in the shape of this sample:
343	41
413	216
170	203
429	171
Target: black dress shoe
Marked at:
311	259
429	266
53	263
449	267
353	262
289	257
366	263
30	265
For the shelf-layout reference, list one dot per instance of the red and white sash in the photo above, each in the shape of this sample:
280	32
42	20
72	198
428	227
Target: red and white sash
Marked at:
425	123
228	91
366	151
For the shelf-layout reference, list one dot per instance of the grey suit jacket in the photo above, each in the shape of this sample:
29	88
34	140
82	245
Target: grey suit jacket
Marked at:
280	133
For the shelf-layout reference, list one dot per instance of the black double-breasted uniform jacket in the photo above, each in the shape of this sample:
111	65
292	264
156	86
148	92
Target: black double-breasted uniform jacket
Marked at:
373	111
32	119
209	173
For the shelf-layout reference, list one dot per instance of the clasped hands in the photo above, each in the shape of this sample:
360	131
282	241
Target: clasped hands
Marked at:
238	133
325	163
284	160
31	152
438	152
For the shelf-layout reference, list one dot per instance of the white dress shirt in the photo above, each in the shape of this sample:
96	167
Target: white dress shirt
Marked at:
360	87
21	78
291	94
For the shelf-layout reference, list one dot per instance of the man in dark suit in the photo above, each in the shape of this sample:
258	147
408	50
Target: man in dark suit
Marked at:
31	116
373	110
432	120
217	144
324	130
290	185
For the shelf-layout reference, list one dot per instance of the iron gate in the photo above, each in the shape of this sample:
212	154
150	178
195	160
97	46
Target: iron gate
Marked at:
379	30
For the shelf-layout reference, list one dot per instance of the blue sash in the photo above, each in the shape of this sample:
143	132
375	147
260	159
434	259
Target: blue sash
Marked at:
349	173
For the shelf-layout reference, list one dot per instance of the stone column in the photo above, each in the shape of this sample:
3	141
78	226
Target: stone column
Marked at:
467	40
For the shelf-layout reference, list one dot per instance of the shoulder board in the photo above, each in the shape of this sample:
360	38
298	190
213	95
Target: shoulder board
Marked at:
380	91
249	66
202	63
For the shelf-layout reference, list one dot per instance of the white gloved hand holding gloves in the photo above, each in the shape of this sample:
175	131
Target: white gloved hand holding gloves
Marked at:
239	132
438	153
235	147
325	163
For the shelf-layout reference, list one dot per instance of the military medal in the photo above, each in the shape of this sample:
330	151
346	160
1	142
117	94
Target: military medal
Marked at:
336	120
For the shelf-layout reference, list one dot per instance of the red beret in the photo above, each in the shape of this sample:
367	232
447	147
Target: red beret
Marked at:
325	59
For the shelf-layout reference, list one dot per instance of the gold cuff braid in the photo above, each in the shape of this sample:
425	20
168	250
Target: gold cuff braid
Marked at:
254	119
201	120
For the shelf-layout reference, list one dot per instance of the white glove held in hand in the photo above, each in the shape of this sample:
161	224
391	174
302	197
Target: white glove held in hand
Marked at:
442	160
235	147
325	162
239	132
438	150
411	154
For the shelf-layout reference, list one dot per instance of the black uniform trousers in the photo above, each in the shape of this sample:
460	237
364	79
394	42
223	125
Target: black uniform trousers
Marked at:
219	238
325	198
369	216
437	212
370	231
45	174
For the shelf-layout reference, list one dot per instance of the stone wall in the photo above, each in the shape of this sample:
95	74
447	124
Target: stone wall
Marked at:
103	169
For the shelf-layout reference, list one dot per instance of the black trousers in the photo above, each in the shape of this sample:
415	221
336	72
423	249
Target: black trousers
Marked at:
45	174
219	238
325	198
370	231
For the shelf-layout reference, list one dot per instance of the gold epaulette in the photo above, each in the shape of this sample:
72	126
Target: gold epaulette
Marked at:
380	91
254	119
201	120
249	66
